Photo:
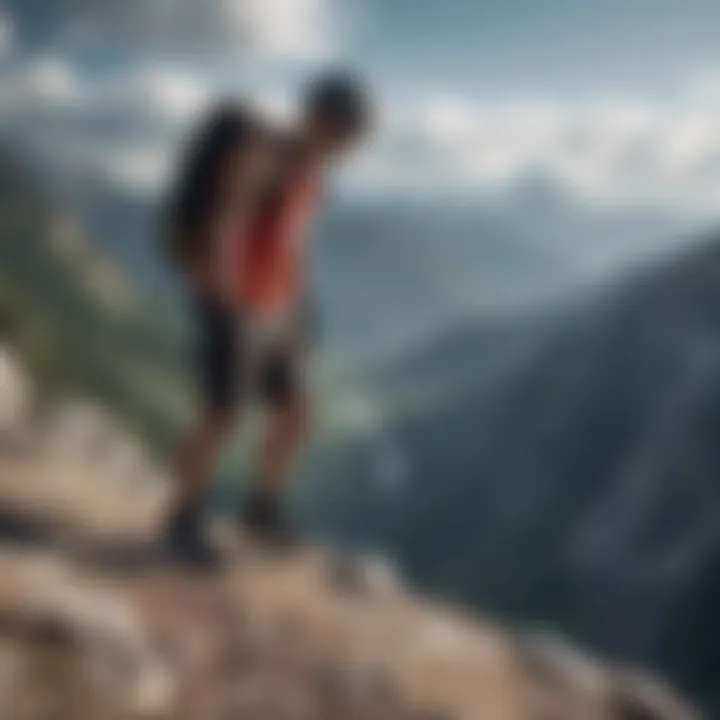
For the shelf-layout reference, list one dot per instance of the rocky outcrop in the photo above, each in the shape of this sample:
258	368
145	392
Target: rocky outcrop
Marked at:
15	395
96	623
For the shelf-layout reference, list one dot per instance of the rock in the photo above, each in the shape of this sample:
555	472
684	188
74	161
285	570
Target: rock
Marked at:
290	628
126	459
379	687
551	662
241	654
635	696
10	669
51	630
627	694
365	576
295	704
442	637
78	428
85	432
433	715
154	690
107	634
353	688
98	641
15	395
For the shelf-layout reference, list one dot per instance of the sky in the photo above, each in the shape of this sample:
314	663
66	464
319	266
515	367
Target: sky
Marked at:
616	102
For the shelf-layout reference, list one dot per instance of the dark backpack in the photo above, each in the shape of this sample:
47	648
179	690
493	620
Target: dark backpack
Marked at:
193	197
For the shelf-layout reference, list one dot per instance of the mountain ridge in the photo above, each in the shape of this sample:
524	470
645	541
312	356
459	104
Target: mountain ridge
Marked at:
575	484
95	624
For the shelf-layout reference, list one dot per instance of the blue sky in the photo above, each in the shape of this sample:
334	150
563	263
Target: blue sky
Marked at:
540	45
476	45
615	102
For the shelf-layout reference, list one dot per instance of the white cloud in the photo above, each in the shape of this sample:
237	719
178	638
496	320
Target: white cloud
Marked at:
291	28
261	29
169	95
51	93
611	152
608	151
121	129
36	85
135	169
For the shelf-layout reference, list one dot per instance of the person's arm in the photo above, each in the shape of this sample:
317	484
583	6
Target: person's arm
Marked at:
240	183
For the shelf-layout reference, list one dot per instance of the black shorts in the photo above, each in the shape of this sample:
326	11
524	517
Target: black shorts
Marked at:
232	371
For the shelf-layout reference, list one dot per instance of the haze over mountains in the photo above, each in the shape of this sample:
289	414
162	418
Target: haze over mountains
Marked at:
391	271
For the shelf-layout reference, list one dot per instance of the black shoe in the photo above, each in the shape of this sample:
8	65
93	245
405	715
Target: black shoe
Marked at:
263	520
186	541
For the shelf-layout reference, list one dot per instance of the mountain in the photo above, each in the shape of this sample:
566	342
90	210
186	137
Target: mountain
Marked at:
394	272
81	322
96	622
563	470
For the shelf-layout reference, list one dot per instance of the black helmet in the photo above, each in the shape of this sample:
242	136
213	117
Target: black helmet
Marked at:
341	98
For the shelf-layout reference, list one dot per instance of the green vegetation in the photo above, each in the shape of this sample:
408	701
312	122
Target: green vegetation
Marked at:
73	343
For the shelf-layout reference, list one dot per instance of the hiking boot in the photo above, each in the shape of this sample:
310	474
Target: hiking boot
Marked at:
263	519
186	540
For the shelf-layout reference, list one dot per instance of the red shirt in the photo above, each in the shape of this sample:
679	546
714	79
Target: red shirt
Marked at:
271	273
270	269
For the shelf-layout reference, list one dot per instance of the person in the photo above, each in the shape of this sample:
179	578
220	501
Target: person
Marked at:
238	222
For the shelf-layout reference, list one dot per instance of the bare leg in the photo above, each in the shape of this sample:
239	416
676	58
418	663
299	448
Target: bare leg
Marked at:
263	513
198	455
286	434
